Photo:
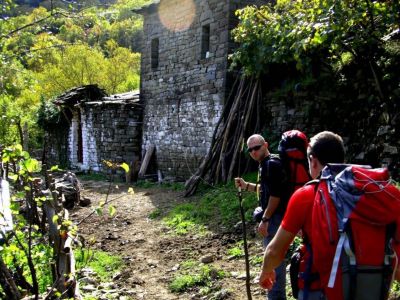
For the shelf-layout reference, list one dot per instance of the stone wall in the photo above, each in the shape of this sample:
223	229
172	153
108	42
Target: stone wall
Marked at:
185	92
110	131
283	115
379	146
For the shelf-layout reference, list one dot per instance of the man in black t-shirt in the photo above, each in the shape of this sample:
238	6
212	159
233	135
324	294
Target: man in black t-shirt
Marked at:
270	188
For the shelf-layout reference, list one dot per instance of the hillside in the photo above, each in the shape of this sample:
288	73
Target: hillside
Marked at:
26	6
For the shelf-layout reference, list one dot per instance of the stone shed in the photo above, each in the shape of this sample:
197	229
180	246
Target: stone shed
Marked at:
101	127
184	78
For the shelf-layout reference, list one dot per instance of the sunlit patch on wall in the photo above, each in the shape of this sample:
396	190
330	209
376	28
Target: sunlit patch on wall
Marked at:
177	15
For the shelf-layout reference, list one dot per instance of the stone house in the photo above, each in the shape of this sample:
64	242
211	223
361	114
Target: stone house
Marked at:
184	78
99	127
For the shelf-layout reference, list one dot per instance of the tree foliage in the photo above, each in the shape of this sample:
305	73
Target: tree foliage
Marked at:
36	258
47	51
297	31
343	55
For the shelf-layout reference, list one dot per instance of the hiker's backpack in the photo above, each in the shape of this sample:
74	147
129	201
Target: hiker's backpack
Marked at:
293	158
354	216
293	155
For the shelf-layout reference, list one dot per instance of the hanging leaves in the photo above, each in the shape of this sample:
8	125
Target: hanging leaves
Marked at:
293	31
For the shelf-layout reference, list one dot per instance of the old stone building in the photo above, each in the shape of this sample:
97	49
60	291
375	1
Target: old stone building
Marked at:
184	78
99	127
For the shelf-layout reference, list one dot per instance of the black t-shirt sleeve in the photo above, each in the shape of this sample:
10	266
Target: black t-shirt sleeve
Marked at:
274	177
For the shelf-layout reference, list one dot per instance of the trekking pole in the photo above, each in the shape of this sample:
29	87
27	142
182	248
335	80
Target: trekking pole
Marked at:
246	252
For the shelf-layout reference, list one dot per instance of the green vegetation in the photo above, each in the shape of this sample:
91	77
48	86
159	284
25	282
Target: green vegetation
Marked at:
25	250
93	176
47	50
256	260
192	275
146	184
175	186
30	250
155	214
327	59
186	218
395	291
218	206
104	264
237	251
300	31
16	259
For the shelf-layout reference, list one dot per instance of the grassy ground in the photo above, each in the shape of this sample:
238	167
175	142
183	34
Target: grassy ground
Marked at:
213	207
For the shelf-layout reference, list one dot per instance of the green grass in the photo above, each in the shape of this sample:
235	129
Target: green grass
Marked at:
155	214
93	176
89	298
237	251
185	218
256	260
193	275
104	264
146	184
216	206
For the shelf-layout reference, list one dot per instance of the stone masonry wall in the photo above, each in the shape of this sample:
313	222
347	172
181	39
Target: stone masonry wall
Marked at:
110	132
379	148
184	95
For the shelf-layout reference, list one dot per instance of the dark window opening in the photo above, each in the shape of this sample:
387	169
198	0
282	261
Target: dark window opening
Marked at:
205	41
155	44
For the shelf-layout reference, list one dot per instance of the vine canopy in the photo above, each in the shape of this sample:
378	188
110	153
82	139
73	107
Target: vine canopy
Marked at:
294	32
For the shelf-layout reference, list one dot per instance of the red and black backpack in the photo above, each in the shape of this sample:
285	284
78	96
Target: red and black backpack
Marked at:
293	158
293	155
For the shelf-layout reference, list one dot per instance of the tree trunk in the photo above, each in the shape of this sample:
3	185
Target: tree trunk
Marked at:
7	283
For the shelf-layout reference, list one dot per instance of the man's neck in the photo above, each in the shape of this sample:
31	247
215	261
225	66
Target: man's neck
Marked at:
266	156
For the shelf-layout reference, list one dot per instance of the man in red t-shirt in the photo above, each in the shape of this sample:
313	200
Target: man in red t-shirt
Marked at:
325	147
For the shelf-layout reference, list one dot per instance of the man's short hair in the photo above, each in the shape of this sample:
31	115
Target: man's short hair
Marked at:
327	147
258	137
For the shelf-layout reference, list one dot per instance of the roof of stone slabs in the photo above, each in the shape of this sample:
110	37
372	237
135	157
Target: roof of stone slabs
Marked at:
147	7
93	95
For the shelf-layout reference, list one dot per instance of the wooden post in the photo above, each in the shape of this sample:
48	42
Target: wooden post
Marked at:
146	160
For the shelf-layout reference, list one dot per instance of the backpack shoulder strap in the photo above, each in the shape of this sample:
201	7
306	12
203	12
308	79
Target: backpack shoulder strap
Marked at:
315	183
272	157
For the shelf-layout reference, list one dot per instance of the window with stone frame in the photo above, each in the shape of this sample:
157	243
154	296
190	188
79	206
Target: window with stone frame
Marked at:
155	45
205	41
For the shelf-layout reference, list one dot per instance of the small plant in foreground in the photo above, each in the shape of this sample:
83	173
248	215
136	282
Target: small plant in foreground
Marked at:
201	276
256	260
185	218
104	264
155	214
236	252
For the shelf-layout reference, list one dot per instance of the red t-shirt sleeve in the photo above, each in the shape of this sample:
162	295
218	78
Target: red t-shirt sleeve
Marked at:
299	211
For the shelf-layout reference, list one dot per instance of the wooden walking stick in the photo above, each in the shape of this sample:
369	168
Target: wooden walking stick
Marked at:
246	251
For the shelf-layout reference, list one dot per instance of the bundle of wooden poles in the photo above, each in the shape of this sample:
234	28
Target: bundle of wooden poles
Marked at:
240	118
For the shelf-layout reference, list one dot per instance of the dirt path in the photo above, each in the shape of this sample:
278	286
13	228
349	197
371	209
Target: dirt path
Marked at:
152	254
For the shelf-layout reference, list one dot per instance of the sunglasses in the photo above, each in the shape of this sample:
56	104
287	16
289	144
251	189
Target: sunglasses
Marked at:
256	148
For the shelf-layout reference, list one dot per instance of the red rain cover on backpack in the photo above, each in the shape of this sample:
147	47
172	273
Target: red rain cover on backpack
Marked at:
352	211
293	154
